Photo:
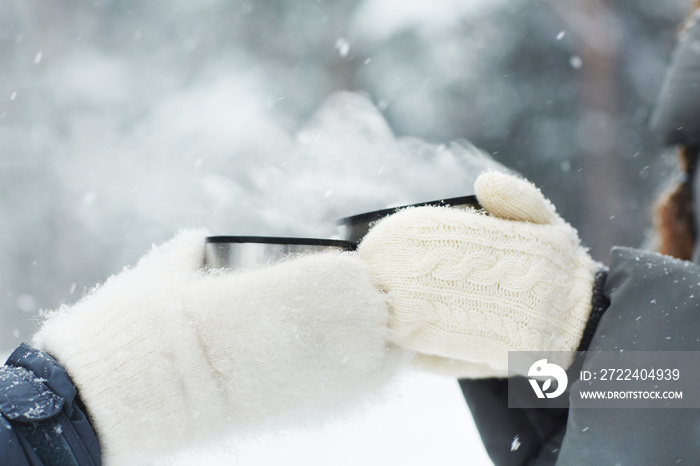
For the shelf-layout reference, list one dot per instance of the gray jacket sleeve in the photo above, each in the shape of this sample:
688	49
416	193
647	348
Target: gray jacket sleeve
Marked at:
651	298
654	306
536	432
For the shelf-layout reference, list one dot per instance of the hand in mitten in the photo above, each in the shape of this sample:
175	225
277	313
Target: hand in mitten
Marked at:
466	287
166	354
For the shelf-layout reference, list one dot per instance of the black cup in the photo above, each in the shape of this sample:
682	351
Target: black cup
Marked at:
354	228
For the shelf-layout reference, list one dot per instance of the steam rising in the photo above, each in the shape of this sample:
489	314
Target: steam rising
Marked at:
347	161
217	156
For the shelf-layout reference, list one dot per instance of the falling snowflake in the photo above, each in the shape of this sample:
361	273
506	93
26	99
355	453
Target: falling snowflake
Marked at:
515	444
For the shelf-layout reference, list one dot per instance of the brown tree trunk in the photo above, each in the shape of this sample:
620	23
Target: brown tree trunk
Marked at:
590	24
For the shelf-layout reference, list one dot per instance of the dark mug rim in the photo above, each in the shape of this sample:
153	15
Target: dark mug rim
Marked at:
282	240
379	214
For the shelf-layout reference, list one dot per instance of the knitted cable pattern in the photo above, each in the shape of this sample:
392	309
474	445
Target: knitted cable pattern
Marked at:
469	286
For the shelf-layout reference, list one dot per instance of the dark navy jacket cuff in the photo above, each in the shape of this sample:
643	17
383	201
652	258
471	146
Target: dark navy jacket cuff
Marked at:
42	420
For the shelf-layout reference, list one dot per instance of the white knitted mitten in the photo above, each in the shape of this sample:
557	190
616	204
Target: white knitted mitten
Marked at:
167	355
466	287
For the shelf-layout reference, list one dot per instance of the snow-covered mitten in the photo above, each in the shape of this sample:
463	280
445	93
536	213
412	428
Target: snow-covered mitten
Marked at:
166	355
466	287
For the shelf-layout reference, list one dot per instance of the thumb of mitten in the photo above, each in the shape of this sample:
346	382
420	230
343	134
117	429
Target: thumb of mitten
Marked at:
512	198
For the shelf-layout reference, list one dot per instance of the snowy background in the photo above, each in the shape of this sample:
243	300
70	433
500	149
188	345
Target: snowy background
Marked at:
122	122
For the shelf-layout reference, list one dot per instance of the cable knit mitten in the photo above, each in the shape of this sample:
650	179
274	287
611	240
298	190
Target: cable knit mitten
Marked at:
167	355
466	287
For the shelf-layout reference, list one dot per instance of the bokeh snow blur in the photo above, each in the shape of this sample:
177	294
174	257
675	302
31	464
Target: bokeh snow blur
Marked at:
122	121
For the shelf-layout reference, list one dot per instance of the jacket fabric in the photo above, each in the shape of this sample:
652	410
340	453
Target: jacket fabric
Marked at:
653	307
42	420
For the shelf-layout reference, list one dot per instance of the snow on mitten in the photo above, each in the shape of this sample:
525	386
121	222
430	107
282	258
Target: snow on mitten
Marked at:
167	354
466	287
